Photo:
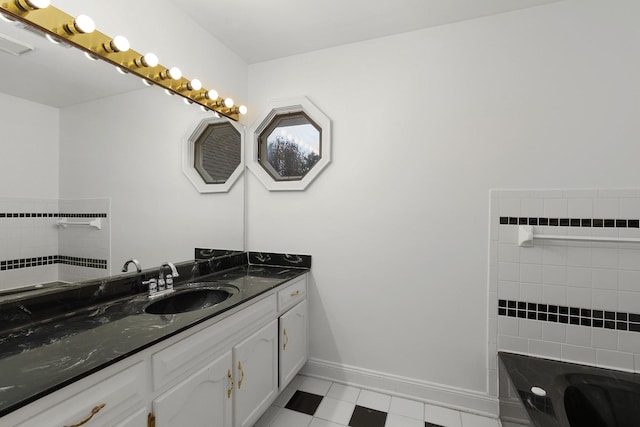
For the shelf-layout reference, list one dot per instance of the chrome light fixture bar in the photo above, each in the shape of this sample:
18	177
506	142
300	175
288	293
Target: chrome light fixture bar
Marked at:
80	32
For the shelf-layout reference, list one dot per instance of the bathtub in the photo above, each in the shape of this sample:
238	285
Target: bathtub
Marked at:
548	393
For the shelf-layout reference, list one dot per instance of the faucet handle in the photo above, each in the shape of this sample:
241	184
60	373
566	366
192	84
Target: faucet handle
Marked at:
153	285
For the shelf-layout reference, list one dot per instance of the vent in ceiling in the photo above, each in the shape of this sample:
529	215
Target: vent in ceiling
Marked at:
13	46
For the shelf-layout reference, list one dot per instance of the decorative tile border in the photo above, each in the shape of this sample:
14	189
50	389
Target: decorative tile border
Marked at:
570	315
51	215
571	222
14	264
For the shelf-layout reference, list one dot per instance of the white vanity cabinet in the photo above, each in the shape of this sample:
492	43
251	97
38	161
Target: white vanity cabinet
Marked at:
224	372
221	374
293	327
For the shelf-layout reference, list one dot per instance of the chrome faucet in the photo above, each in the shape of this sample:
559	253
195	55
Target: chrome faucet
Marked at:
174	272
125	267
164	284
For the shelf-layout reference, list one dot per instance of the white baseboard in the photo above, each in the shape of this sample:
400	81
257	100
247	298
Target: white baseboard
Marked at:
435	394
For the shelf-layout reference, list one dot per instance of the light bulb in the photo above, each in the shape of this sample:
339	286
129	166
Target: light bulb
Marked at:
117	44
212	94
175	73
27	5
242	109
90	56
172	73
168	92
187	101
146	82
81	25
228	102
194	84
147	60
122	70
52	39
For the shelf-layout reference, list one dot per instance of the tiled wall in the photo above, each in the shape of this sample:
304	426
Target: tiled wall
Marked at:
573	301
33	249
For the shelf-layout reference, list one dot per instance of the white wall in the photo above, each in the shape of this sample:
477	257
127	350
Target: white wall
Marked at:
424	125
29	160
28	183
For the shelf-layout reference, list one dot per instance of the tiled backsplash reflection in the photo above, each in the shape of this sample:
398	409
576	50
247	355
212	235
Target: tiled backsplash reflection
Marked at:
568	300
34	249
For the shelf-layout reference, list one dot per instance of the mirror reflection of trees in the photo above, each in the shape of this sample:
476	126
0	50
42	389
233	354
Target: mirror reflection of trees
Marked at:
288	159
290	146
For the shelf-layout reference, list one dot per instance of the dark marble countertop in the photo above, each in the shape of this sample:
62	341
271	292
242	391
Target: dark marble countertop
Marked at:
41	355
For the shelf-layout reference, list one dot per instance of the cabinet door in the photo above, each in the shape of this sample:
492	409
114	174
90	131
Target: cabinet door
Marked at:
293	342
202	400
255	362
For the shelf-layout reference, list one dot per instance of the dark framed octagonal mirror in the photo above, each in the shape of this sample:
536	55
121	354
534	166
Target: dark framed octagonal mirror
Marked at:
291	145
213	156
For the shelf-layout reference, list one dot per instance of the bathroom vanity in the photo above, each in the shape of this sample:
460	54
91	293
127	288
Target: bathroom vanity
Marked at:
112	363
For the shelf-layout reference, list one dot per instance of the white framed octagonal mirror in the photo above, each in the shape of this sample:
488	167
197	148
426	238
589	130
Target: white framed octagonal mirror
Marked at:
213	155
290	145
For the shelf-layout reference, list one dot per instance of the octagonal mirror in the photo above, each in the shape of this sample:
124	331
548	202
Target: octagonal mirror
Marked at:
291	145
213	156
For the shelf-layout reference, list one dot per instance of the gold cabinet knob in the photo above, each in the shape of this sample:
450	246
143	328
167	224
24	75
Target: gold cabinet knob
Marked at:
242	372
284	332
230	389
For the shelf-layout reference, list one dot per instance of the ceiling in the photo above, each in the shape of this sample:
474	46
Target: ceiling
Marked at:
256	30
260	30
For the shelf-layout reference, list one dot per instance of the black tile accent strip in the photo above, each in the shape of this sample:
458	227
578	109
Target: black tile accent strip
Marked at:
570	315
569	222
13	264
52	215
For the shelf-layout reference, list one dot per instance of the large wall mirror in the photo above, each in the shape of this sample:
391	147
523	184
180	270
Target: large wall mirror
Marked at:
82	142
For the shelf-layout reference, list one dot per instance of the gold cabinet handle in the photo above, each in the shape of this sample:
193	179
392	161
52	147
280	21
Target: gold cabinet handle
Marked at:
242	372
284	332
94	411
295	294
230	389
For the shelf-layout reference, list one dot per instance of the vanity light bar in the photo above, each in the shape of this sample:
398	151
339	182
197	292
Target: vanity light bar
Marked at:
58	25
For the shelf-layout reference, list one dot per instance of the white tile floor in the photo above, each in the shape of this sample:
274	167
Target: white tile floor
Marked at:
339	402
